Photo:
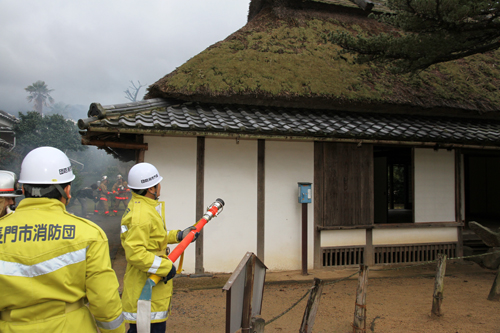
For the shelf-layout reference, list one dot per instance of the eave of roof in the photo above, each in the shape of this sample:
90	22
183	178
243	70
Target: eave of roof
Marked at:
7	116
164	117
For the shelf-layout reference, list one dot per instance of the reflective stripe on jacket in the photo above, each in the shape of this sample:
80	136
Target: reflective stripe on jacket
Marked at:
144	238
50	261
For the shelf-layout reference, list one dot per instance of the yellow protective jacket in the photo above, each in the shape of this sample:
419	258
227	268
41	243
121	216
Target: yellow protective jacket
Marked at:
144	238
51	264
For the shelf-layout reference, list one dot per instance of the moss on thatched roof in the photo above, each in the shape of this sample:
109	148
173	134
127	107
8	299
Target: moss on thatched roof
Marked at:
282	57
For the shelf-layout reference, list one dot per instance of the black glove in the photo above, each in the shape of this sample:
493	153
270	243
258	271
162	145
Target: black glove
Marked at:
170	274
182	234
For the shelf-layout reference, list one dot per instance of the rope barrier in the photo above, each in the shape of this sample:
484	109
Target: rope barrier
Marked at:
431	261
378	270
290	308
307	293
475	255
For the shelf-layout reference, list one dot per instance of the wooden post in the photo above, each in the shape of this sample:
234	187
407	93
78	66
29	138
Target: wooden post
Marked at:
304	239
439	285
261	198
359	323
369	254
495	289
311	307
258	325
200	207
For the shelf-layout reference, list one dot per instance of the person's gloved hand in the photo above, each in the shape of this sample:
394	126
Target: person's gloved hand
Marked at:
170	274
182	234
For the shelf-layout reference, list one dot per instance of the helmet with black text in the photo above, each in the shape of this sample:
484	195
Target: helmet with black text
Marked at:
143	176
8	192
45	166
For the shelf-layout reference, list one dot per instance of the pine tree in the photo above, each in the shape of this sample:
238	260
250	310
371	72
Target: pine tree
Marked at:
426	32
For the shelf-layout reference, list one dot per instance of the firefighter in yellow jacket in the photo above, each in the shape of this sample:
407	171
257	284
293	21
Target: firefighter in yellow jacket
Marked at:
144	237
53	262
8	192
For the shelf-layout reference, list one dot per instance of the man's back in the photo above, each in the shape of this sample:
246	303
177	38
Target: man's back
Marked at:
51	261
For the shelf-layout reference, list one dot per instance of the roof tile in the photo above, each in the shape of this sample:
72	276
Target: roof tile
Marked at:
298	122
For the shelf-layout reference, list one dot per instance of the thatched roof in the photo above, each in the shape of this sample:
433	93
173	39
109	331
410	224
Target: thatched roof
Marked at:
282	58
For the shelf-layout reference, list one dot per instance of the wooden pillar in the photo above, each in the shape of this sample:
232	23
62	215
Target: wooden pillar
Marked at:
200	197
261	197
369	254
359	322
458	201
317	202
437	299
139	154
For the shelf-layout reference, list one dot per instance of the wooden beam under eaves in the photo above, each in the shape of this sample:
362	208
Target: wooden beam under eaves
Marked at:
115	144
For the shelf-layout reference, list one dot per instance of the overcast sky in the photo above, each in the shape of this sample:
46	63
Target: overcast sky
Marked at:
89	51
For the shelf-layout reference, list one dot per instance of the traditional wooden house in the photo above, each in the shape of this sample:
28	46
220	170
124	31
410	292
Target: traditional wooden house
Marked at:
7	135
398	163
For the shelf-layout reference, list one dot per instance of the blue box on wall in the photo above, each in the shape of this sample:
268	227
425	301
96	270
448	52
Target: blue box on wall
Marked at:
305	193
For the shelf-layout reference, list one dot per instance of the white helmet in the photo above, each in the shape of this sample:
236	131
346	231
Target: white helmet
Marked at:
119	176
104	178
143	176
8	184
46	165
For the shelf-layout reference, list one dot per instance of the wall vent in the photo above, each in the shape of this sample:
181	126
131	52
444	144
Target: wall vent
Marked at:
343	256
396	254
386	254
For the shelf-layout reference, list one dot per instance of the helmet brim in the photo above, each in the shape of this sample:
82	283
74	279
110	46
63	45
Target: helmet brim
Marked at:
13	194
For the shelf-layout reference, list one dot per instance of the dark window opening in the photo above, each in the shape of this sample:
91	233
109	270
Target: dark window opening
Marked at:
393	185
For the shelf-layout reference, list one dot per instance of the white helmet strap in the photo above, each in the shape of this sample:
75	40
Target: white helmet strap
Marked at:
40	191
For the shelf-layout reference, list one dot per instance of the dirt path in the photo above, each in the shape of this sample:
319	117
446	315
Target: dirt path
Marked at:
397	304
397	300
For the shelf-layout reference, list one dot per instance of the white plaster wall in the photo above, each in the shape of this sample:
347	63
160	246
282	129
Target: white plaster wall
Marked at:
434	185
414	236
331	238
287	163
175	159
230	174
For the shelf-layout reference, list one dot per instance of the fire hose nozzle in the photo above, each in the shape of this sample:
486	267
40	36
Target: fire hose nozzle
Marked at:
214	209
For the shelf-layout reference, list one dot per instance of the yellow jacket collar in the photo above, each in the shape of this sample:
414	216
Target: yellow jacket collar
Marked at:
40	203
144	199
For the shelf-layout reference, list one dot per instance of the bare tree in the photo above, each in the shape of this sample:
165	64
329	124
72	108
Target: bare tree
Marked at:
132	92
